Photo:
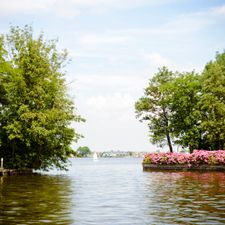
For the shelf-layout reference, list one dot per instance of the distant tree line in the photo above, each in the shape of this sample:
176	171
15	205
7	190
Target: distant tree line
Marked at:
186	108
35	110
82	151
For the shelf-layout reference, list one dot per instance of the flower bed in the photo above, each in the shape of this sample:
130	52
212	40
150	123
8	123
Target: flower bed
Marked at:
198	159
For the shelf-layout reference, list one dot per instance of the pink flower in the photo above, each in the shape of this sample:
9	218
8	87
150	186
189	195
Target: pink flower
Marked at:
198	157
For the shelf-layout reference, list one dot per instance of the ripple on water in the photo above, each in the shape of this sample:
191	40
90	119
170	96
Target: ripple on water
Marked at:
111	192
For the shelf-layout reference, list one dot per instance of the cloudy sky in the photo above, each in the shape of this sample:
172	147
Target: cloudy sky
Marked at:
115	47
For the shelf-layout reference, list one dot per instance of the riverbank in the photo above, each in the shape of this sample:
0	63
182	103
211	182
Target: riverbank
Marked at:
201	160
153	167
9	172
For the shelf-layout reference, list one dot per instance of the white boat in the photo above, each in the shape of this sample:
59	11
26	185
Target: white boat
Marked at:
95	157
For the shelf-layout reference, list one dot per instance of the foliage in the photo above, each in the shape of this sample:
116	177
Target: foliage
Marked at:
212	102
187	108
36	111
154	107
83	151
186	116
198	157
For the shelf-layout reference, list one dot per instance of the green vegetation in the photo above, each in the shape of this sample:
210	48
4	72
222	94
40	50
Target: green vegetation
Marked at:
186	109
83	151
36	111
155	108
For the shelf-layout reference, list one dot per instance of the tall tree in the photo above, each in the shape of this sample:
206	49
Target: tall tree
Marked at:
186	116
213	102
155	108
36	111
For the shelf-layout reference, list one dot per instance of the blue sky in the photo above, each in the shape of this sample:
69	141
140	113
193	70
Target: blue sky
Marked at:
115	47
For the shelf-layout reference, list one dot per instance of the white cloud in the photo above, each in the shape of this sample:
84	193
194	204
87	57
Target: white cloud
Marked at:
178	29
58	8
105	83
65	9
115	102
70	8
182	25
103	6
219	10
24	6
111	124
156	60
156	43
103	39
111	79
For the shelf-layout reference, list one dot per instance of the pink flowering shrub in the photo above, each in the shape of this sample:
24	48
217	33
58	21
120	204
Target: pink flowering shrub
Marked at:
198	157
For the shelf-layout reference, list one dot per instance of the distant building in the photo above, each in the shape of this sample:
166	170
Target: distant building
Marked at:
121	154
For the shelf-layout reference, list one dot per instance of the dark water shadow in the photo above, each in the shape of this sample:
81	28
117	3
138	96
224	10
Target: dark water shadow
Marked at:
36	199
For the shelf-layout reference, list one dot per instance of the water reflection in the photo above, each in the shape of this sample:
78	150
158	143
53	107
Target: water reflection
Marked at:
186	197
113	192
35	200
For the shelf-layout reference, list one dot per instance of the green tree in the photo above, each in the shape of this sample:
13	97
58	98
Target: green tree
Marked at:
186	116
154	107
36	111
83	151
187	107
213	102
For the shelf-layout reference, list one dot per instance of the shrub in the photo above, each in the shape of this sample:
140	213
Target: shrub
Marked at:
198	157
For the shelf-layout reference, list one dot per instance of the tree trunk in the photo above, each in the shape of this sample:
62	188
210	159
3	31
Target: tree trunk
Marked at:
167	132
169	141
191	149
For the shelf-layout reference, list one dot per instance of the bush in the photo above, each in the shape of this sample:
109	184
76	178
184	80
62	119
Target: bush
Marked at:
198	157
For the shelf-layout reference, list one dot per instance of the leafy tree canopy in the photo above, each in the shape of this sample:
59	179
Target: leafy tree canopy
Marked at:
83	151
212	102
187	108
155	108
186	116
36	112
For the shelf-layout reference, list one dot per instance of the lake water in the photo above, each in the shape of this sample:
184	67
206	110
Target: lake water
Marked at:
113	192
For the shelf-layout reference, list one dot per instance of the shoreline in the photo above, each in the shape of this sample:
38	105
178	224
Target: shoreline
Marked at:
155	167
9	172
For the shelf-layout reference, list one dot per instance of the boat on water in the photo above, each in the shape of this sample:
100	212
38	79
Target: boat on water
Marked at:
95	157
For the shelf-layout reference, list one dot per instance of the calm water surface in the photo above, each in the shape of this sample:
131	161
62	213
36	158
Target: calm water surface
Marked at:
113	192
